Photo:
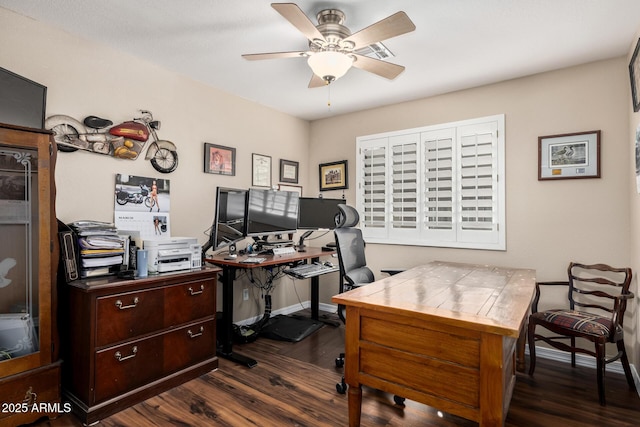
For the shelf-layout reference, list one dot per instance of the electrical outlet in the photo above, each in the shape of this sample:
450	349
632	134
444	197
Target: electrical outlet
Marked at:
245	294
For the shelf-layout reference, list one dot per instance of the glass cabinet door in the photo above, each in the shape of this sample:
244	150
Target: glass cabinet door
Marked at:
19	234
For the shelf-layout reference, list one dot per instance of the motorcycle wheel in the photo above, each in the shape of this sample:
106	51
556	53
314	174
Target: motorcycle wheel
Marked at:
121	201
165	160
63	134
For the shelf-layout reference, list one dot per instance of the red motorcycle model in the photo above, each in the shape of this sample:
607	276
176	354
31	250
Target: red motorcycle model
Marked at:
125	140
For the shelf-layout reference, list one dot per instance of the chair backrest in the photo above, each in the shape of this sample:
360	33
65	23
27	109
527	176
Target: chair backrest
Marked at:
600	288
350	247
353	264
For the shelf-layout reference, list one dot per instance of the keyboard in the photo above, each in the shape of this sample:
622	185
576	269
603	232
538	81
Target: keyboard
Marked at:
304	271
284	251
253	260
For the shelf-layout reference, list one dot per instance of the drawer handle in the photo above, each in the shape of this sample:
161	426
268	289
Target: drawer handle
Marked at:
119	357
192	335
124	307
30	397
192	292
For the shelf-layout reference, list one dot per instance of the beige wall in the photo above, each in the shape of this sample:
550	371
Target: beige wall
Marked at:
549	223
86	78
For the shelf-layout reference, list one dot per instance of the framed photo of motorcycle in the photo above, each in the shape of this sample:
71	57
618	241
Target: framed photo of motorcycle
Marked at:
219	159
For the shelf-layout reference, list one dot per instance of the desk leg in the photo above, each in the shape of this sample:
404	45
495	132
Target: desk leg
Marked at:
315	295
355	405
226	334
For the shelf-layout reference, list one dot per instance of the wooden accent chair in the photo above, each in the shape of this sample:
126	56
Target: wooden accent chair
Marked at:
598	297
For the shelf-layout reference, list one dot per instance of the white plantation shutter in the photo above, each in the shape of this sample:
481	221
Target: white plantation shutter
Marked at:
404	182
372	180
478	182
439	184
435	186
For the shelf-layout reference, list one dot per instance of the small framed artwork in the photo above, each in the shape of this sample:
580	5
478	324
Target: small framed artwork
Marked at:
333	176
260	170
634	75
289	187
289	171
219	159
570	155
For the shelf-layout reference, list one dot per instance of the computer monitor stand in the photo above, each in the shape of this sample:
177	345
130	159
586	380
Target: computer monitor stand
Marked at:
301	245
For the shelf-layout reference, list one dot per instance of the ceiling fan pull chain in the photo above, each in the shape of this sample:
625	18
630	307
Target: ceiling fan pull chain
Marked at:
328	96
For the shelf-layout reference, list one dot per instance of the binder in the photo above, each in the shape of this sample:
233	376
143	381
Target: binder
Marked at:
68	252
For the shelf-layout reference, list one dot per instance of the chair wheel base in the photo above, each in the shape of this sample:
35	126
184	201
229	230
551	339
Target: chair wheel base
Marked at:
341	387
340	361
399	400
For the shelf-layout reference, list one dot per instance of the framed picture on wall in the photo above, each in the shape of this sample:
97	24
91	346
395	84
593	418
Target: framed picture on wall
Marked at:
634	75
289	171
219	159
260	170
570	155
333	176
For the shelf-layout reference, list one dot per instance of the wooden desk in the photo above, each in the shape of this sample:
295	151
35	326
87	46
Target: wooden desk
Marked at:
229	269
443	334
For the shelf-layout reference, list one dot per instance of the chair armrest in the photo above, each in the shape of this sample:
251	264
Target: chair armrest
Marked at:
392	271
536	297
630	295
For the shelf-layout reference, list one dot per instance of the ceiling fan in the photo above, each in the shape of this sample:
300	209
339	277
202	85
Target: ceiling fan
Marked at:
332	47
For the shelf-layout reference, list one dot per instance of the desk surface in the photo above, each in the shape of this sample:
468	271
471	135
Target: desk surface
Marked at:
486	298
310	252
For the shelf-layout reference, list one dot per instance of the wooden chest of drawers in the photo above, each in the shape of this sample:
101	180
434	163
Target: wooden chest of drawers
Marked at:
124	341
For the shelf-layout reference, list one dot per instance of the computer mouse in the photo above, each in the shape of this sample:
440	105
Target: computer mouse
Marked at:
328	264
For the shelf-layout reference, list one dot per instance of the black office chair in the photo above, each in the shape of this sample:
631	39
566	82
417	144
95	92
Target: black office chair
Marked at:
353	268
350	248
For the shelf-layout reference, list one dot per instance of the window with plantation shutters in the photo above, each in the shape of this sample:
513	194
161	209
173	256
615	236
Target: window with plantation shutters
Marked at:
434	186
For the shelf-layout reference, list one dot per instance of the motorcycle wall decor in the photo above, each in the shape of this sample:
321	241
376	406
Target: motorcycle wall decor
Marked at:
125	140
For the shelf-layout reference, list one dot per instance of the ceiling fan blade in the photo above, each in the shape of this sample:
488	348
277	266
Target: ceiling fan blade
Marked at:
292	13
273	55
316	82
391	26
382	68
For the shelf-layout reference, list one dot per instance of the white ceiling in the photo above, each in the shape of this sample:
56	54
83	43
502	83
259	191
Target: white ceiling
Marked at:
457	44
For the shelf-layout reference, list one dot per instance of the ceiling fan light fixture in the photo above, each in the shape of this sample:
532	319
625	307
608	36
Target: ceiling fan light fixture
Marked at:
330	65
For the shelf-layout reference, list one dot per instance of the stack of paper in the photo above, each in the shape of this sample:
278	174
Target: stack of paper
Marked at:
101	249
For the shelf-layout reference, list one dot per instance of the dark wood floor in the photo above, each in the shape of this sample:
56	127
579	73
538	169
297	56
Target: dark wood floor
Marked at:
294	385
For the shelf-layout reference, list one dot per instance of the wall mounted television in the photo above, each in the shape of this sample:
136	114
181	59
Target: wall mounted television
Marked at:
22	101
271	212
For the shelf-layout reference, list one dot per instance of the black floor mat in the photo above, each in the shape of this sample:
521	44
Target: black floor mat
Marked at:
289	328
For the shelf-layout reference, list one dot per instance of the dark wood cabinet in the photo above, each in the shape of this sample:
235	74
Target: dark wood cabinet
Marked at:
29	365
127	340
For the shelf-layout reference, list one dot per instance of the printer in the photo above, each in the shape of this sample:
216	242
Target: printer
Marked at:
172	254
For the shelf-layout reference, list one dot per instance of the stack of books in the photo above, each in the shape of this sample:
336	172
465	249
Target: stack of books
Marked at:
101	249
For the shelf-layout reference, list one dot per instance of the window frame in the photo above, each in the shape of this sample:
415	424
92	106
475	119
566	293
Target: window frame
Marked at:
484	167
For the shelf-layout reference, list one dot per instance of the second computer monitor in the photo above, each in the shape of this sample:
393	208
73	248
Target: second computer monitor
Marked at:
271	212
318	213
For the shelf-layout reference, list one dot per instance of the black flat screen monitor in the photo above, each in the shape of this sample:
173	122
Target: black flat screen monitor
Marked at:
271	212
229	222
22	101
316	213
